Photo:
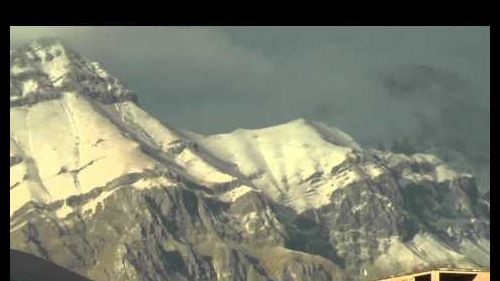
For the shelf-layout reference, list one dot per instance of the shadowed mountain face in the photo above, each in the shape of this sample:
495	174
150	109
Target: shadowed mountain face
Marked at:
26	267
102	188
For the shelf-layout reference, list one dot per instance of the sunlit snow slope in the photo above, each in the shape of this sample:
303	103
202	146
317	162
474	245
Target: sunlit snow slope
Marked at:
67	137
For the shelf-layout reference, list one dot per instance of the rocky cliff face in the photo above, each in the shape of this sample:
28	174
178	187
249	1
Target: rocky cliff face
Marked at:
100	187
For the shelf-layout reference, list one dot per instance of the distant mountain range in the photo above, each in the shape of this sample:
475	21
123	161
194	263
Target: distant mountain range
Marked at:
102	188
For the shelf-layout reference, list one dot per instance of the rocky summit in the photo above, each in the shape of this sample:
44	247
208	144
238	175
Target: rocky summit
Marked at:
102	188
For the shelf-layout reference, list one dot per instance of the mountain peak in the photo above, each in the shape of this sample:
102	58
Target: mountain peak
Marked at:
40	51
45	68
300	120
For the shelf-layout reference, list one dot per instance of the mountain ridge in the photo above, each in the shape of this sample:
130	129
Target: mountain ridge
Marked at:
102	188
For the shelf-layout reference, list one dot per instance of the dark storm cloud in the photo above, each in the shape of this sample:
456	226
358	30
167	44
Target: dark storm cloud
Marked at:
447	113
408	81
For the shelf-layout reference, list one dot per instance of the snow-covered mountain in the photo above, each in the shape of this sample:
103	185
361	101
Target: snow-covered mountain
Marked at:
101	187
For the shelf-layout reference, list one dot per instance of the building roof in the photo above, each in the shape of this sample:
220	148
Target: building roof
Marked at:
440	269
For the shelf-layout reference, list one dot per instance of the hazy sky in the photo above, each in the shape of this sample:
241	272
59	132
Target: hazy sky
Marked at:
375	83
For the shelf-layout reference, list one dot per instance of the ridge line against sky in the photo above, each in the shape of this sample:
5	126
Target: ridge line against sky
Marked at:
372	82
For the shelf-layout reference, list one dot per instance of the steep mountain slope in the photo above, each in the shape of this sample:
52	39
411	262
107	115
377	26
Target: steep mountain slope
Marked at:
104	189
378	210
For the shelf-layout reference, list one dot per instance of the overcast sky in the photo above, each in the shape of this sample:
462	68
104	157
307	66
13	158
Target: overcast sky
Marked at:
375	83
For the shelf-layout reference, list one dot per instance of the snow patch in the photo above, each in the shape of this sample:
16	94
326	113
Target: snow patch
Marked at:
18	226
359	207
64	211
234	194
444	173
373	170
283	157
99	70
90	207
29	86
200	169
